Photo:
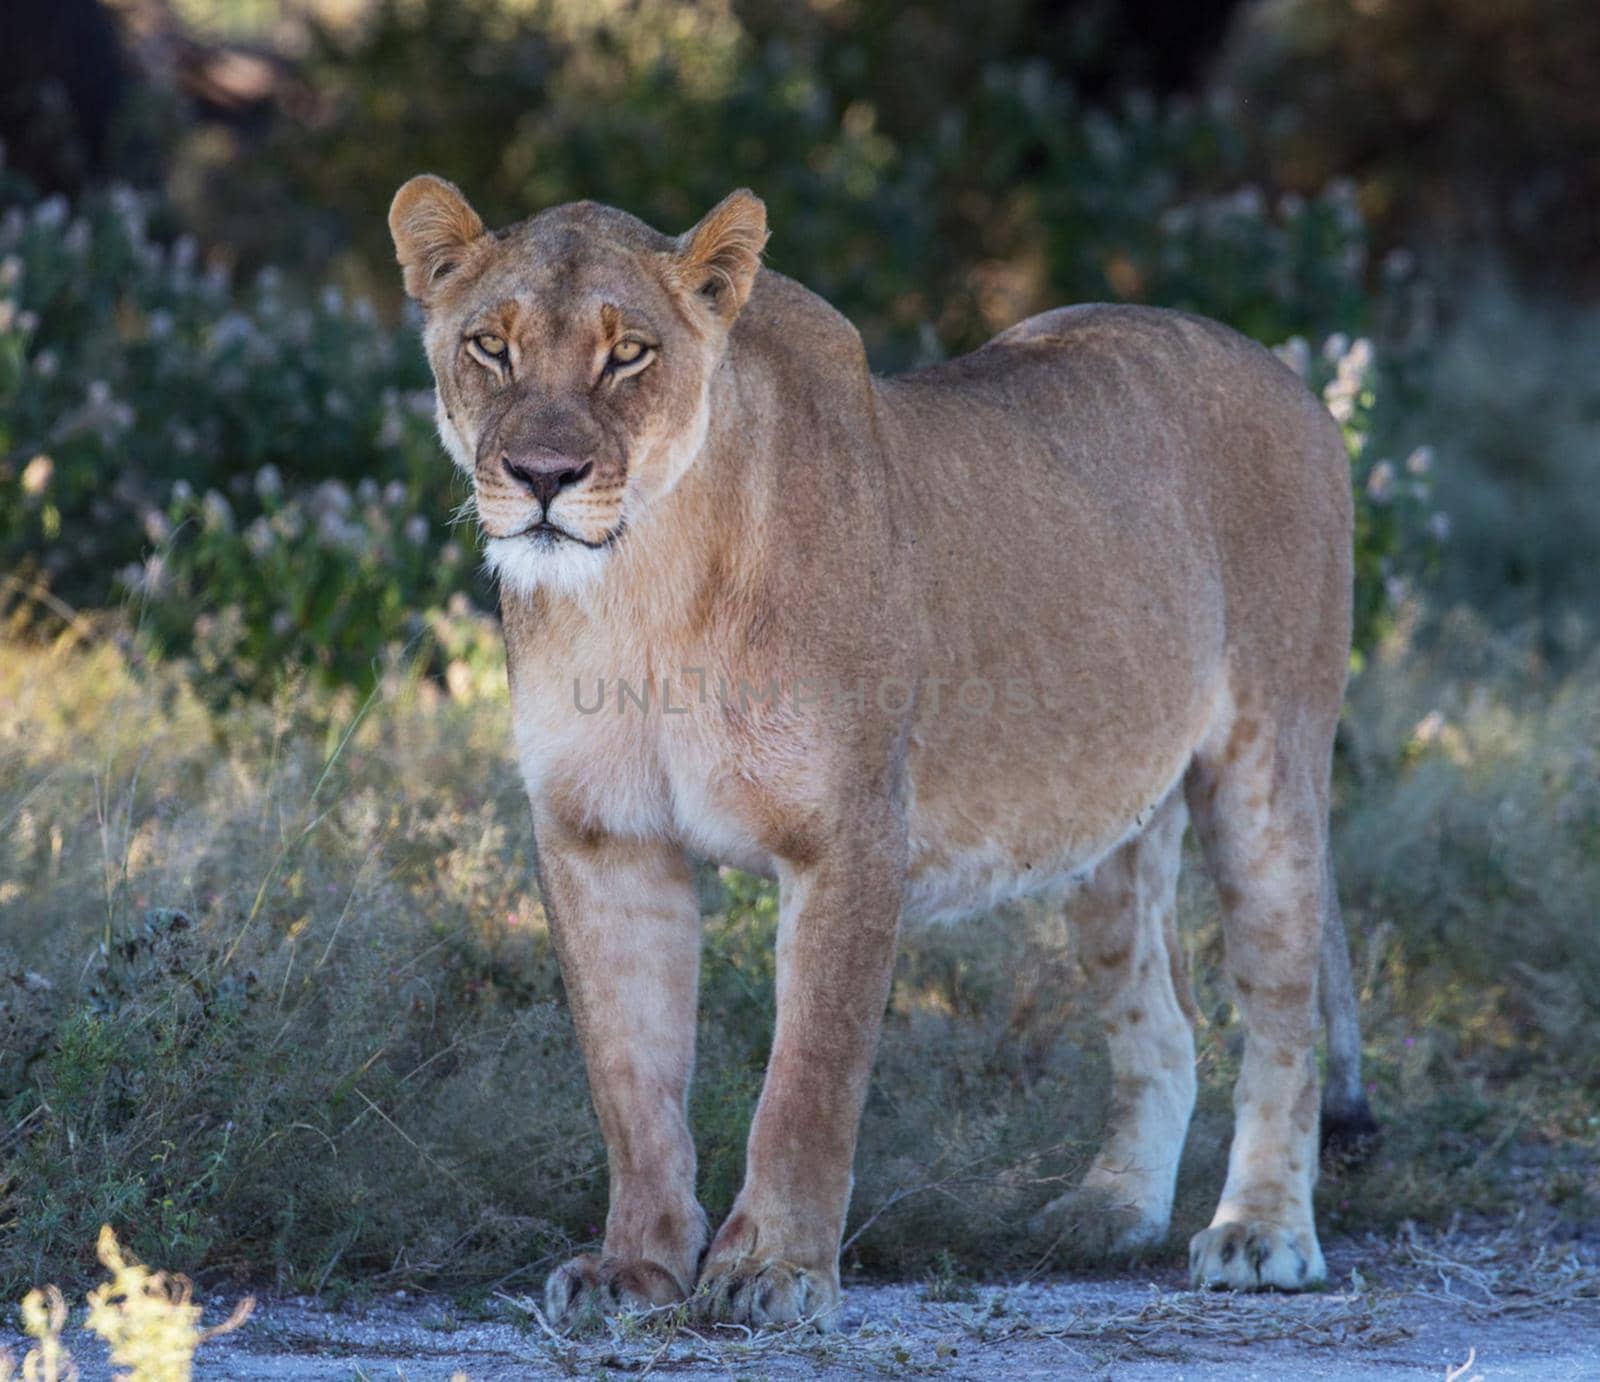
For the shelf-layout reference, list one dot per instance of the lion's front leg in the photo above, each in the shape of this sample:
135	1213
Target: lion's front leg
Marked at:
776	1258
627	931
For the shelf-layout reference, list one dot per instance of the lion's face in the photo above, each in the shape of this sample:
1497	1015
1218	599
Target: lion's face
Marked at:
572	356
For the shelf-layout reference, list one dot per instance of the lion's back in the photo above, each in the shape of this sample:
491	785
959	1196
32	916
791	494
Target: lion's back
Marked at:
1165	445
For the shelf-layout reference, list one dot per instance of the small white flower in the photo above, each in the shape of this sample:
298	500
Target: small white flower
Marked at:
290	522
336	531
269	482
1380	483
182	491
1177	220
217	512
157	527
46	363
332	496
367	491
282	623
1247	202
394	494
1420	461
416	530
36	476
1439	527
1359	358
1296	354
231	329
125	202
259	538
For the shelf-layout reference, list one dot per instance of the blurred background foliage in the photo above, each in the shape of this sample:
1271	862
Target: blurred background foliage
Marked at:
275	988
199	286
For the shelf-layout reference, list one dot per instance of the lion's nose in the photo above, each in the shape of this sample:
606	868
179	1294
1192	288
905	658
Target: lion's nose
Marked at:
545	473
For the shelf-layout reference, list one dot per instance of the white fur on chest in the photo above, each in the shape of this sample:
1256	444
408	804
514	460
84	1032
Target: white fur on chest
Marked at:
637	772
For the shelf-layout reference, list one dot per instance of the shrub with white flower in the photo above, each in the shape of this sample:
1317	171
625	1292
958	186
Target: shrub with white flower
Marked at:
136	377
1397	530
132	364
338	583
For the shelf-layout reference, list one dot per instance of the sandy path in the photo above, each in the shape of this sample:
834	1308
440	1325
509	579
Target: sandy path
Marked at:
1415	1307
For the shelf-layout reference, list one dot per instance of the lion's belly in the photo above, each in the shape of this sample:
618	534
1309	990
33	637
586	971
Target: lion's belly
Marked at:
1000	809
968	857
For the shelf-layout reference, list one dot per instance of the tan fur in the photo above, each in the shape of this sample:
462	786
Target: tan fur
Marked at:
1018	610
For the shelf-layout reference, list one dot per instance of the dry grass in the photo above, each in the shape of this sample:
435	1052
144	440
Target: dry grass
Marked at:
1408	1281
1515	1269
277	998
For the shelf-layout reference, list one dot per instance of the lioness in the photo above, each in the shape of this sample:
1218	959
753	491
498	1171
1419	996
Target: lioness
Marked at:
911	646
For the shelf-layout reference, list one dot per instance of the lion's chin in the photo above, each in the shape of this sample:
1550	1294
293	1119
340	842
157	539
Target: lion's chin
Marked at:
533	562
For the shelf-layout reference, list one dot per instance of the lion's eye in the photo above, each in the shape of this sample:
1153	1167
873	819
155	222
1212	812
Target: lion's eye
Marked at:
626	352
491	345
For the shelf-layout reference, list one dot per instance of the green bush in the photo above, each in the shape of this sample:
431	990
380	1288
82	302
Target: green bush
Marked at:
1398	532
127	366
930	234
336	582
258	465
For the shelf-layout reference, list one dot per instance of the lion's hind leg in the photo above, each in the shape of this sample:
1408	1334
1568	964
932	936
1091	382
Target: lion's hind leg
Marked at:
1259	797
1126	922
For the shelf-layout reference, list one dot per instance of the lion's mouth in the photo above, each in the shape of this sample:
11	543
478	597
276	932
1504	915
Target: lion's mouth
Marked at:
547	534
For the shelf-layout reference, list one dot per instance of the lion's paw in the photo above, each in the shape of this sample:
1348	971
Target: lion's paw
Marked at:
765	1291
1255	1257
588	1288
1095	1224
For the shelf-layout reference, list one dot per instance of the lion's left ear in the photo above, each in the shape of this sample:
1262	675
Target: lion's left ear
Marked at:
433	228
717	260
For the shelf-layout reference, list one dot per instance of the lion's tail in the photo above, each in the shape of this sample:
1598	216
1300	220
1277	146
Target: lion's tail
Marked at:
1349	1131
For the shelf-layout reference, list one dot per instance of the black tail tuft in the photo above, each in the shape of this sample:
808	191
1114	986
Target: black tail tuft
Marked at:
1350	1136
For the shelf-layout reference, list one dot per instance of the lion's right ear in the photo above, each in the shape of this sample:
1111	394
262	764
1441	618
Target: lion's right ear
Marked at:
717	260
433	228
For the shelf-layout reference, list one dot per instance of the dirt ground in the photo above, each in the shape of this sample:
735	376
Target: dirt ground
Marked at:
1517	1302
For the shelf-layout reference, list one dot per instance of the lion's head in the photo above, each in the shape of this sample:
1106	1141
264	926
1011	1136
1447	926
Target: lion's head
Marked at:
573	355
